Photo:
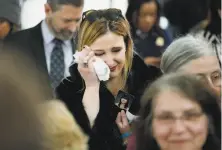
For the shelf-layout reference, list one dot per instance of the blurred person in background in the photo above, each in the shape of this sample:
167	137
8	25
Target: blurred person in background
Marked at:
201	17
50	43
187	15
62	130
21	124
179	112
149	39
10	12
105	35
193	55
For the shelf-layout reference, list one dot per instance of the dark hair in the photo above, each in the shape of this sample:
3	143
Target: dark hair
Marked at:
185	14
56	3
133	13
190	87
215	25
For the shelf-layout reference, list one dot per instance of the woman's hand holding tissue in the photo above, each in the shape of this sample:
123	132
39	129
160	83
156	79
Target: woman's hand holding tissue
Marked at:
91	65
85	60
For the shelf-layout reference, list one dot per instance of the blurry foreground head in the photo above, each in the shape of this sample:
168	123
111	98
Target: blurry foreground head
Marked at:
61	128
21	126
179	112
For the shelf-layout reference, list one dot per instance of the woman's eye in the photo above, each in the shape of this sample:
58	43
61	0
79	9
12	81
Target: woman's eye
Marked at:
99	54
165	117
216	76
192	116
117	50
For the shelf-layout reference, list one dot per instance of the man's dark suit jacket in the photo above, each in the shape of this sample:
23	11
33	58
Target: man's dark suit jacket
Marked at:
30	43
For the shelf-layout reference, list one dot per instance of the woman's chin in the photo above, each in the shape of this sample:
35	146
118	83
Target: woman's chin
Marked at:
114	74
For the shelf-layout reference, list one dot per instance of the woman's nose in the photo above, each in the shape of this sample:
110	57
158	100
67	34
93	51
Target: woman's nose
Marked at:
179	126
110	61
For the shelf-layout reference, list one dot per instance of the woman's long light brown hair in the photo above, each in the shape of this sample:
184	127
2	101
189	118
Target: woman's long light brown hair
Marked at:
90	31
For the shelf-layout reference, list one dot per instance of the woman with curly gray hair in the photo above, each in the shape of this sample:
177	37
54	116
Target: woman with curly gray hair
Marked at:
193	55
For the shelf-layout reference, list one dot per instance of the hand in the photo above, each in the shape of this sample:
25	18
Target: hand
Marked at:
154	61
122	122
85	67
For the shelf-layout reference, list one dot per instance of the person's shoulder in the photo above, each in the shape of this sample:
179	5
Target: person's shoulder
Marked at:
66	82
138	63
68	88
147	71
137	59
20	39
15	41
20	35
72	84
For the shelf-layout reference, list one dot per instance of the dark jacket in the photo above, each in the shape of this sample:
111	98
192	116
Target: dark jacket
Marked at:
146	44
105	134
30	43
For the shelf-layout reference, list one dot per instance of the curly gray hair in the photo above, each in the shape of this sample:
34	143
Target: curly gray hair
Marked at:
183	50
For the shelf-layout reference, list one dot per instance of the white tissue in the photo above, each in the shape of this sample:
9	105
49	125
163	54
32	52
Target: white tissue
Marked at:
76	57
101	68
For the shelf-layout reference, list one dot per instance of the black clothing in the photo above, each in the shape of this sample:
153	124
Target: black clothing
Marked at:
150	44
104	135
30	42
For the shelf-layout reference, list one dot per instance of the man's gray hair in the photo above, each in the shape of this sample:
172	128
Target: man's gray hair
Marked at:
55	3
183	50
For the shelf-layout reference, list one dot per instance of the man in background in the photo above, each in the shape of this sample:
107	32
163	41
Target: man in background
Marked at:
50	44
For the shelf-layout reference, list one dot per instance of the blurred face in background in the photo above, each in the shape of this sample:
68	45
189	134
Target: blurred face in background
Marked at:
4	28
208	69
147	16
178	122
64	21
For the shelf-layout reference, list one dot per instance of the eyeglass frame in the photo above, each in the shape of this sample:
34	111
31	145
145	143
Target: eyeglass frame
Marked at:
183	118
208	78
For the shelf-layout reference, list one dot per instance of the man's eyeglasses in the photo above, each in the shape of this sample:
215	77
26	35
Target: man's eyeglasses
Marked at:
111	14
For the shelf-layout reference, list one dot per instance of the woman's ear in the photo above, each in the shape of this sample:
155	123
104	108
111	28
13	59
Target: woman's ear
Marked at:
48	9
